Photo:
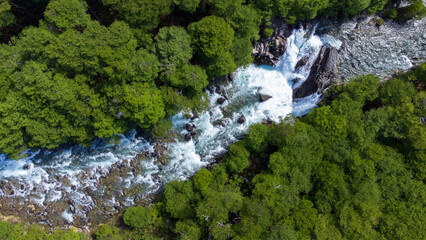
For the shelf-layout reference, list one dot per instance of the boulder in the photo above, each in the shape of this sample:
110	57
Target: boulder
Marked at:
221	100
188	137
189	127
242	119
27	166
269	50
322	73
264	97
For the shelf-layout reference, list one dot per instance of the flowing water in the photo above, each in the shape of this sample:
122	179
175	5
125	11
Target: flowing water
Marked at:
81	176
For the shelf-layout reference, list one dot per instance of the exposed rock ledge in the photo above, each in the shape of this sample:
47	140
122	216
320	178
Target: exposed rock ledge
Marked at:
269	50
321	75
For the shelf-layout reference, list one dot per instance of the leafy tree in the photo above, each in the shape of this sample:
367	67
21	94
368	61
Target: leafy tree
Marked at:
173	46
144	14
67	13
225	7
238	158
191	78
202	179
246	21
222	65
256	139
211	37
178	199
6	15
187	230
139	217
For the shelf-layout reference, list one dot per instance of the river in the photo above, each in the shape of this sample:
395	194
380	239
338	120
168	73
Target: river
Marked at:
78	185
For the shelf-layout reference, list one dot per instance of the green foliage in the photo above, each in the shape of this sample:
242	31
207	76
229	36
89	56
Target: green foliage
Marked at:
107	232
238	158
190	78
225	7
6	15
397	91
178	199
187	5
203	179
144	14
256	139
246	20
187	230
414	10
173	46
139	217
267	32
67	13
211	37
161	128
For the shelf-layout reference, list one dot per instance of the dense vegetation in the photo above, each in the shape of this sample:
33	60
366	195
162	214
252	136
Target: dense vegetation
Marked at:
92	69
351	169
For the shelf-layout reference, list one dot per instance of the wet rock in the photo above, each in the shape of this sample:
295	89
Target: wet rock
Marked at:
242	119
322	73
302	62
193	134
27	166
221	100
195	116
72	208
264	97
219	122
188	137
269	50
189	127
296	80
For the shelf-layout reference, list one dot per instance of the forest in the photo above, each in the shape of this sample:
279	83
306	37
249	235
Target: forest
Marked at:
72	71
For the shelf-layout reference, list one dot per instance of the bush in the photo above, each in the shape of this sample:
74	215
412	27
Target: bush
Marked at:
238	158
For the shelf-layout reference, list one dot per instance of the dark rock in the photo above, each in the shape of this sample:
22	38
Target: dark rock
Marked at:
193	134
195	116
296	80
188	137
189	127
221	100
302	62
73	187
264	97
242	119
321	74
219	122
268	51
27	166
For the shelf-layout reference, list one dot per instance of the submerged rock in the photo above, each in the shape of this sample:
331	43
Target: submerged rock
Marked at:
322	73
268	51
188	137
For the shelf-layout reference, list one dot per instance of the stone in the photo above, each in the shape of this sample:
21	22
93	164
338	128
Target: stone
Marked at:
302	62
72	208
264	97
189	127
323	71
188	137
269	50
219	122
27	166
242	119
195	116
221	100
